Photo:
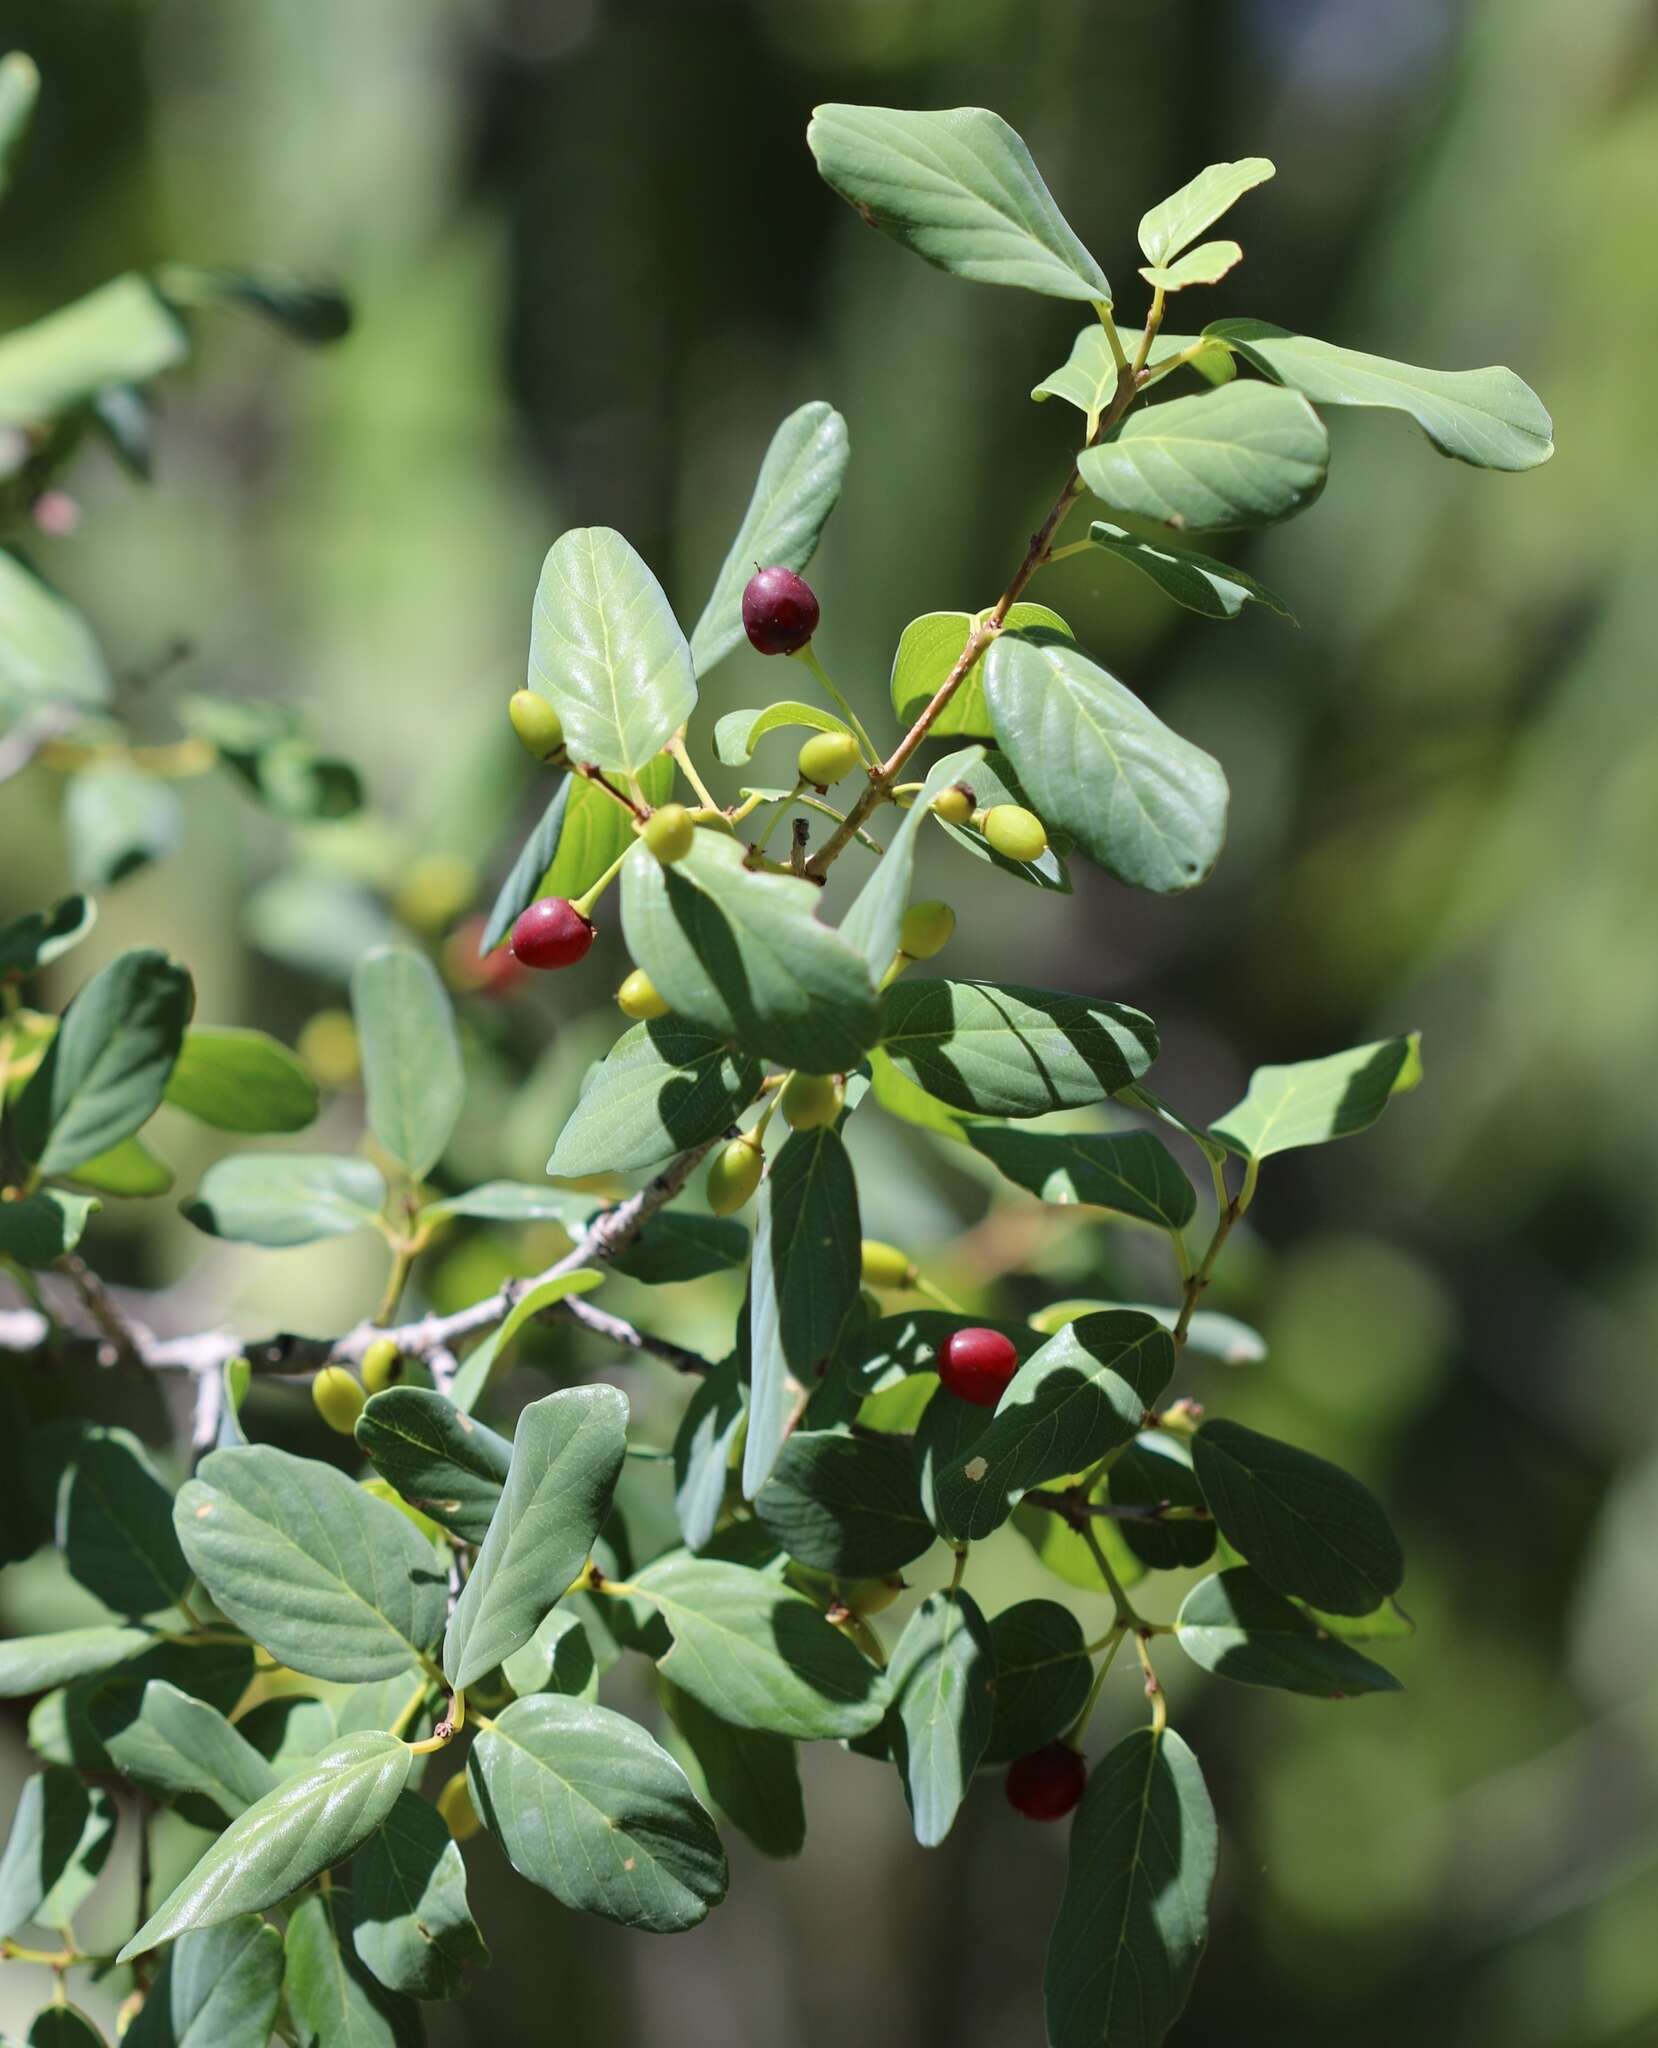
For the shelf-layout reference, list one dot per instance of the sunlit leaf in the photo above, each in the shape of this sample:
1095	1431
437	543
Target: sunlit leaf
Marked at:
1132	1173
241	1081
1001	1050
1198	582
287	1198
1246	455
441	1461
412	1069
1310	1102
1169	226
663	1088
1235	1625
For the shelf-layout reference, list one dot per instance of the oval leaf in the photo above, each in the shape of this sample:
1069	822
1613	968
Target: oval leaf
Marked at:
412	1069
943	1676
441	1461
242	1081
664	1087
753	1779
1235	1625
930	647
1313	1101
844	1504
1199	582
1043	1677
411	1923
1002	1050
286	1198
217	1988
330	1994
1168	227
1246	455
111	1515
1129	1172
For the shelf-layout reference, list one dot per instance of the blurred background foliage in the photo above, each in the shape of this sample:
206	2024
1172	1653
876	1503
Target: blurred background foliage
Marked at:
592	266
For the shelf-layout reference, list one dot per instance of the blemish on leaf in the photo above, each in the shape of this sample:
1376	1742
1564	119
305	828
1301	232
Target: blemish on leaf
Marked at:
975	1469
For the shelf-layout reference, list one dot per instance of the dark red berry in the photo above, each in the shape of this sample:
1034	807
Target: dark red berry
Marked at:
780	612
1046	1784
551	933
976	1365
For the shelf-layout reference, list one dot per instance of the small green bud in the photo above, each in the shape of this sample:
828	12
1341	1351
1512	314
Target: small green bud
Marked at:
884	1265
827	756
382	1365
733	1175
926	929
668	833
1015	833
338	1397
537	724
637	998
954	805
809	1101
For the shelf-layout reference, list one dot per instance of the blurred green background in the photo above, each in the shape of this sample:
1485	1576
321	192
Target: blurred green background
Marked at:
592	267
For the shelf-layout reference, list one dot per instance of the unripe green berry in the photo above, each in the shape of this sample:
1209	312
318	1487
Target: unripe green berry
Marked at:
827	756
926	929
869	1596
455	1806
884	1265
637	998
382	1365
809	1101
669	832
338	1397
537	724
954	805
1015	833
733	1175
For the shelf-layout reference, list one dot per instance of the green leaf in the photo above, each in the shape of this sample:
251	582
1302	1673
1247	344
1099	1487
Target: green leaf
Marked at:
1311	1101
129	1168
679	1245
1216	1336
557	1658
60	1838
872	923
929	648
899	1096
1087	378
1130	1172
1309	1529
738	733
413	1927
587	1806
286	1198
299	308
1082	1394
412	1071
876	1356
106	1070
1205	265
1064	1552
288	1729
512	1201
943	1676
1235	1625
467	1388
758	1654
19	90
39	937
523	883
663	1088
1043	1677
39	1230
994	782
1001	1050
751	1778
48	654
703	1446
79	1721
1135	1916
440	1460
330	1580
1246	455
30	1664
217	1988
566	1456
1146	804
960	189
111	1515
607	653
742	955
845	1504
122	333
1489	417
242	1081
119	821
1178	220
597	832
332	1998
306	1825
1155	1471
1199	582
804	1279
176	1746
63	2026
794	494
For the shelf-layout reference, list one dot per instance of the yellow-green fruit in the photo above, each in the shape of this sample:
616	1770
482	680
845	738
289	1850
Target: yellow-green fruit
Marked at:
436	889
733	1175
460	1816
637	998
884	1265
809	1101
382	1365
536	723
954	805
926	929
870	1596
1015	833
669	832
827	756
339	1398
1058	1313
327	1044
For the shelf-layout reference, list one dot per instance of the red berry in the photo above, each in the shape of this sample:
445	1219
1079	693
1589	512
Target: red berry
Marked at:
469	972
780	612
1046	1784
551	933
976	1365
